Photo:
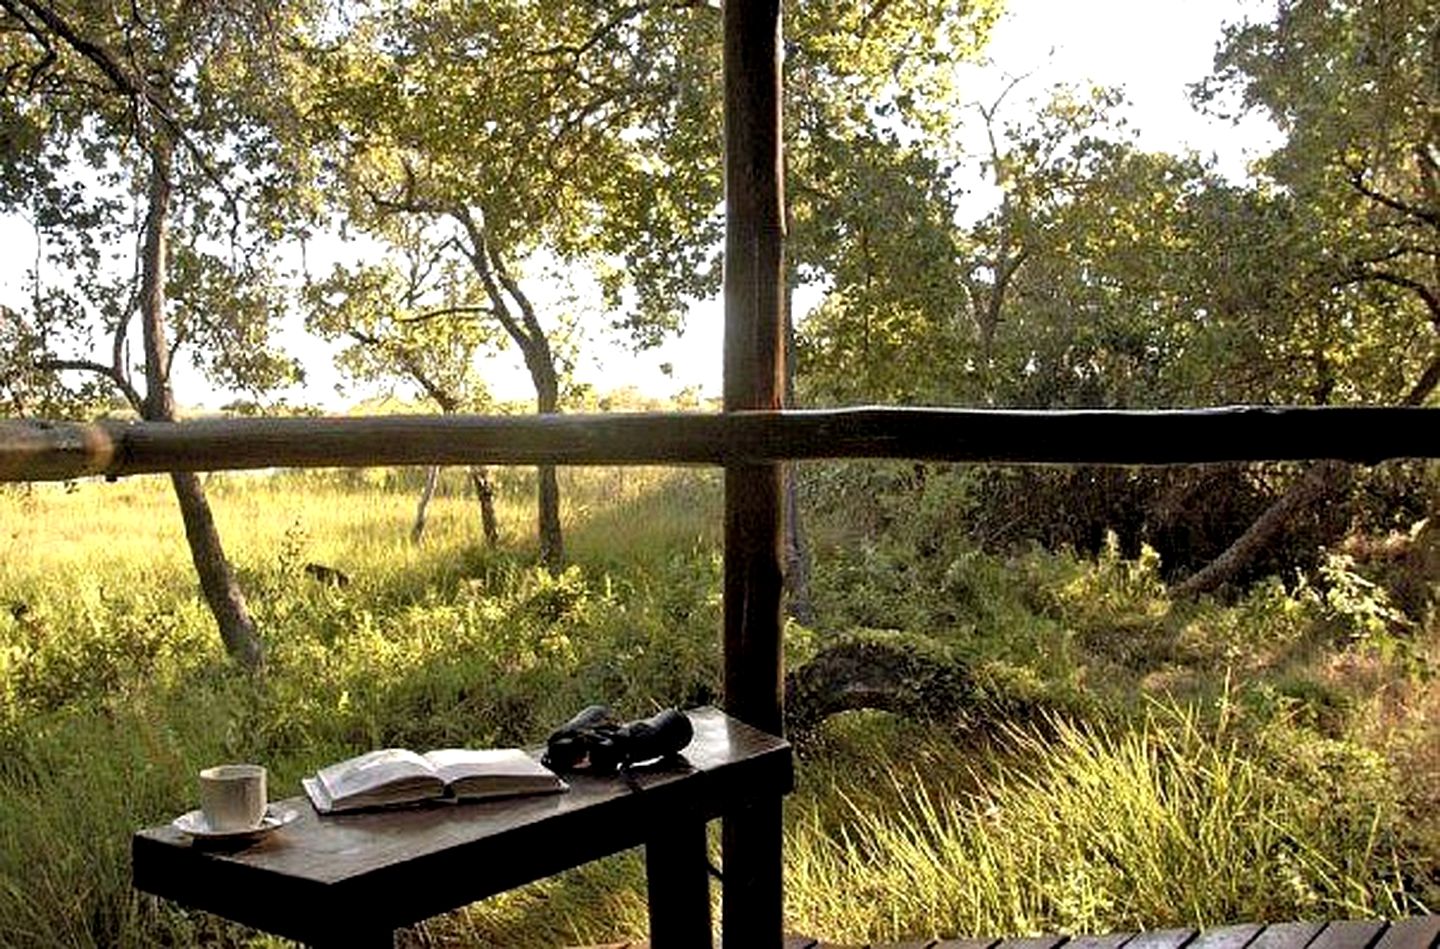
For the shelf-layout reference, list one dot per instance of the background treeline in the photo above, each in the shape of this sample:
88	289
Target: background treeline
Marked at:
425	184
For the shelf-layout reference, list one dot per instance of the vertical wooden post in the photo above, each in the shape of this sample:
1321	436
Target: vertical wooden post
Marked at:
753	911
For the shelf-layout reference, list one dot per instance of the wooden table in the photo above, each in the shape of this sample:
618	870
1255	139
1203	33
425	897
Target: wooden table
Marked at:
352	879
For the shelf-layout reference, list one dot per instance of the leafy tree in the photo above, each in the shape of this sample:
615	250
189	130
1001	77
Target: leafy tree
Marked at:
883	240
870	101
146	124
414	323
590	134
927	310
515	128
1353	85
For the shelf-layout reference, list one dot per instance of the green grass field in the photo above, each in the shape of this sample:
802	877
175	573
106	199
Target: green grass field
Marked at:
1128	762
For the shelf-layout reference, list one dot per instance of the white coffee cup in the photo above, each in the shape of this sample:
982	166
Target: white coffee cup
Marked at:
232	796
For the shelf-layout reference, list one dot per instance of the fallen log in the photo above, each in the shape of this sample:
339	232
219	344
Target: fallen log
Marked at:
887	670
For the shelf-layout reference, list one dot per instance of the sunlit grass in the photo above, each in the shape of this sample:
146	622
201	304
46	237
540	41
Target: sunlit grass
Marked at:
1061	813
1093	829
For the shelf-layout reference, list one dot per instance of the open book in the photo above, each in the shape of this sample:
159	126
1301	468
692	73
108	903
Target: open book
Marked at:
397	776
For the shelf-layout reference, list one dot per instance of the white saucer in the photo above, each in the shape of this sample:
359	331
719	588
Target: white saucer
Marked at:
194	824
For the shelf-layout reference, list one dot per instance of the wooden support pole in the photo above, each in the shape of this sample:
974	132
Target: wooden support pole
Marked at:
753	906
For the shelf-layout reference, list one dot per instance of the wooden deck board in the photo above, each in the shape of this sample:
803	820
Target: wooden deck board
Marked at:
1419	932
1348	934
1227	937
1107	941
1286	936
1026	942
1162	939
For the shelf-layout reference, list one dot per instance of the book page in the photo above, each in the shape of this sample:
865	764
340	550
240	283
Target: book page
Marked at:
387	768
454	763
492	772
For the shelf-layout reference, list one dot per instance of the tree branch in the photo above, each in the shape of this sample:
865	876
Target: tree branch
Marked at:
513	288
459	310
85	365
1362	273
1357	181
580	49
97	54
409	201
444	398
1401	250
134	87
37	69
479	255
1425	385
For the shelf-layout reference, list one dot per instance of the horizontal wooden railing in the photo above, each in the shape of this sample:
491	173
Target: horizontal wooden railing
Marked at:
53	451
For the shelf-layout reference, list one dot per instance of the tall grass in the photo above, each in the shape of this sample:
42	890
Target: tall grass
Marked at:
114	691
1088	828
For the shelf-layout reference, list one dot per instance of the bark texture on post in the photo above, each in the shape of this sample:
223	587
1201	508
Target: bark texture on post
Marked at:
754	331
754	347
38	450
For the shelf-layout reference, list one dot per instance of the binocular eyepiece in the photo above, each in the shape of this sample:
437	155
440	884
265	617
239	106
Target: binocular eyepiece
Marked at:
593	741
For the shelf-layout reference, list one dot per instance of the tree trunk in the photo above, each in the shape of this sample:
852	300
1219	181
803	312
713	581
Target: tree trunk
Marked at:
527	333
1317	482
547	400
798	603
552	546
902	673
485	492
432	476
217	580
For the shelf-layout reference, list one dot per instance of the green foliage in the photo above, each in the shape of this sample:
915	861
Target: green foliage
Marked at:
99	106
1351	83
1105	276
1363	613
114	694
482	143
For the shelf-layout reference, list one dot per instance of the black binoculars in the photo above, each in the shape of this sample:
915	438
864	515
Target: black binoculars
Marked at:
595	742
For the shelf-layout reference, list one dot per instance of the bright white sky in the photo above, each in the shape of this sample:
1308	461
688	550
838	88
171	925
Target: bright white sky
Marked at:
1152	48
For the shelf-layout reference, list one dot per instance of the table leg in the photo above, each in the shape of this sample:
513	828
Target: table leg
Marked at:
678	885
752	906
